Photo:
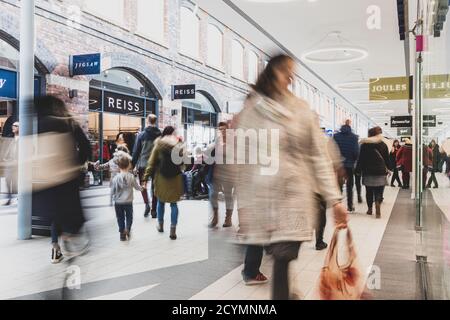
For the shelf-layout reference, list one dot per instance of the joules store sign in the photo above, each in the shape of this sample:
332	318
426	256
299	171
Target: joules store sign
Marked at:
398	88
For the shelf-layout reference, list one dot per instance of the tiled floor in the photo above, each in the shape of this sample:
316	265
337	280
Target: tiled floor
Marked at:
304	273
202	264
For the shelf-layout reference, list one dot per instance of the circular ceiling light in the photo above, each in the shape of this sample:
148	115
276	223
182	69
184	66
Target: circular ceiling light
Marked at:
335	50
383	111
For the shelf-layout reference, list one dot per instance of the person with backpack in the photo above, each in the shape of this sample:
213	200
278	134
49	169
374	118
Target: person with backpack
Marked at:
141	154
167	178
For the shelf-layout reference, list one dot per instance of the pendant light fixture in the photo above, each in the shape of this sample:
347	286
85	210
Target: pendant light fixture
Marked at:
334	48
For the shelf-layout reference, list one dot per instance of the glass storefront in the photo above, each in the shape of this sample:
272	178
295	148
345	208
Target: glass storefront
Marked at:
119	102
432	128
199	119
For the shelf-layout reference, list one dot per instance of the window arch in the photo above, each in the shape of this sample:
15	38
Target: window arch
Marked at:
253	67
114	13
215	46
189	32
150	19
237	69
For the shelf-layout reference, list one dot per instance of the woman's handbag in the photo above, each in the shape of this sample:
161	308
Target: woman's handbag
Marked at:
341	282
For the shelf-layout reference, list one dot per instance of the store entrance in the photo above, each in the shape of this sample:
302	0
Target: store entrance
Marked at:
119	104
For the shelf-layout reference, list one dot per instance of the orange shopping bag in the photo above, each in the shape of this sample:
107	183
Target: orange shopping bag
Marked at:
341	282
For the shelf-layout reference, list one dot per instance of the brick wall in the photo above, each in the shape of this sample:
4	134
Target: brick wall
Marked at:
58	37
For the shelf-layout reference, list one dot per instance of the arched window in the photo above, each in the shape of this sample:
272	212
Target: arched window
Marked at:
253	71
237	69
150	19
215	46
189	33
109	9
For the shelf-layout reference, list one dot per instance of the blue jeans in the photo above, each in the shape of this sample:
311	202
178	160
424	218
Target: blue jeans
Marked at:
174	212
124	214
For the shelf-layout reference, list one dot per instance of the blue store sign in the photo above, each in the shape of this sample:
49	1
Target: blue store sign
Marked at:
8	84
85	64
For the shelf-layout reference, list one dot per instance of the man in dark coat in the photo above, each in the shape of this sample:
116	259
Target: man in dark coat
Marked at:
348	145
142	150
436	156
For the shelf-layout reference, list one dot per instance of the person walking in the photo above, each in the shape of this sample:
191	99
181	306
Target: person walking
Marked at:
404	161
269	196
374	165
427	164
219	179
123	185
63	151
11	159
393	158
167	178
141	154
434	168
348	145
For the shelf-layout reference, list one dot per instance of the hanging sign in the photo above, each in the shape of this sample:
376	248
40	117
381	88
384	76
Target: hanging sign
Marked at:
8	84
123	104
404	132
183	92
437	86
429	121
401	122
382	89
425	132
85	64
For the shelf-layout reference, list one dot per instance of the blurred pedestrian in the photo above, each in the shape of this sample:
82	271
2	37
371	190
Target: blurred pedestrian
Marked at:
221	180
11	158
270	214
63	151
427	164
434	168
404	161
122	189
348	145
167	178
375	166
142	150
393	158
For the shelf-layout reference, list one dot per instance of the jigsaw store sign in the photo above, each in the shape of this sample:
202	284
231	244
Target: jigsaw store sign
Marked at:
87	64
8	84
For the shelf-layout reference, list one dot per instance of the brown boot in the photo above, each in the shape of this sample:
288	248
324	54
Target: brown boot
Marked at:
378	210
228	222
370	211
160	227
173	232
215	219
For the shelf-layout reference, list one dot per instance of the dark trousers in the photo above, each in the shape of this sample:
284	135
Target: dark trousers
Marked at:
124	214
322	219
349	182
358	184
374	194
145	192
396	178
433	180
252	262
405	178
283	253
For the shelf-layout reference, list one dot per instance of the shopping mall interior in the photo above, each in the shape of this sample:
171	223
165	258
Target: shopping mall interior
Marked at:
193	64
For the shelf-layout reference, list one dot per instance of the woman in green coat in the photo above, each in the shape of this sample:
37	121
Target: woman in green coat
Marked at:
167	178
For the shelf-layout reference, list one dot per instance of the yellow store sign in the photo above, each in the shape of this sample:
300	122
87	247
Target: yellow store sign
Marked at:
397	88
389	89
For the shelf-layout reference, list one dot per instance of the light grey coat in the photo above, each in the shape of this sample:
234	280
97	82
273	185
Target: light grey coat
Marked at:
282	207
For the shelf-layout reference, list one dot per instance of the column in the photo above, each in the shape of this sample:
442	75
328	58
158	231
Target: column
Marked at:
27	45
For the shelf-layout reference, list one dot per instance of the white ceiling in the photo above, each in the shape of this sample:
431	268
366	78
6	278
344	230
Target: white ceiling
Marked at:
300	24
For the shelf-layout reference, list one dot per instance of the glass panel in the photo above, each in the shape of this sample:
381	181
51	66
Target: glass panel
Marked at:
252	67
120	81
237	60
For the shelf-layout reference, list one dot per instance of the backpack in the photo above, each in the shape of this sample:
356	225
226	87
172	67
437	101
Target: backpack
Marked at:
166	166
147	148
